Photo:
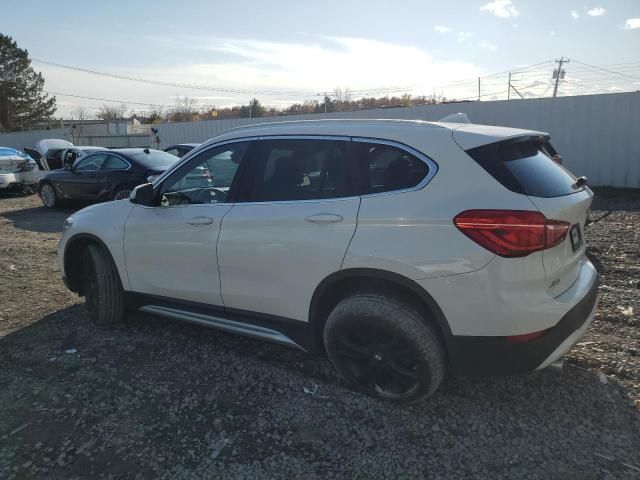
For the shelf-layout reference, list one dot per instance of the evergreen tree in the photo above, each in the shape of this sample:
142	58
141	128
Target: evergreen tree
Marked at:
22	101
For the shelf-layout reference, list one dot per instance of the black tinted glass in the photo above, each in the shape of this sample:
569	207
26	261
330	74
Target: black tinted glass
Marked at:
384	168
299	170
526	167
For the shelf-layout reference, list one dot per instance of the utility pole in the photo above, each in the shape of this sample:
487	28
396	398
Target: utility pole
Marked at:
558	74
478	88
509	89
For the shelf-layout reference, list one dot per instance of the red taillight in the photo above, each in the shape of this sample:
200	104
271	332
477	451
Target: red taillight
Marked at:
511	233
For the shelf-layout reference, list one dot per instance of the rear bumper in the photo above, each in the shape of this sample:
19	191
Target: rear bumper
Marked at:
474	355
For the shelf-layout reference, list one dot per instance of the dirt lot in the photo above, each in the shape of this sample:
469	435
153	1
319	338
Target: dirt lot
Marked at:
153	398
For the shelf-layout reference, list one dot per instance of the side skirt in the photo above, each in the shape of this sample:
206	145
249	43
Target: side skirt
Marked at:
288	332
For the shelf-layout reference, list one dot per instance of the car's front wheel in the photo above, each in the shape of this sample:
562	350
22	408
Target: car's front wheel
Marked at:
382	346
102	289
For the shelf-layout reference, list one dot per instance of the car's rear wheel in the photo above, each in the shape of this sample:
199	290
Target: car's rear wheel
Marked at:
382	347
49	196
102	289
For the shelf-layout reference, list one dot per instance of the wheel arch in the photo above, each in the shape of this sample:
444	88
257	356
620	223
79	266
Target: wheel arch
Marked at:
73	259
340	284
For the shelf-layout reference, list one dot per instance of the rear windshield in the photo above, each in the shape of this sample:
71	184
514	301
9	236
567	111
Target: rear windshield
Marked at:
526	166
154	159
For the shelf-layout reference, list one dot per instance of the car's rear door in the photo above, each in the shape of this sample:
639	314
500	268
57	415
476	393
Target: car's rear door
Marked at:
170	249
290	227
114	175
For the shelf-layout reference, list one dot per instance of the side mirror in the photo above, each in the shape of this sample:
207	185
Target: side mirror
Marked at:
143	195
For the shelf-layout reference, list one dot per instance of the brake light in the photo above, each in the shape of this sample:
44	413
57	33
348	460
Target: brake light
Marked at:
511	233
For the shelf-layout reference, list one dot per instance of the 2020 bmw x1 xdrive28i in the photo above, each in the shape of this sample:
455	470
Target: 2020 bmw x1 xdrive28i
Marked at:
404	250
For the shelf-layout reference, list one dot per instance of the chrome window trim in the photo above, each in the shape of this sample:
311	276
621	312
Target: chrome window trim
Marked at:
433	166
197	151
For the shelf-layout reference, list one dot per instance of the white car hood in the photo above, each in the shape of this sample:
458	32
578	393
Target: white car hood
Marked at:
48	143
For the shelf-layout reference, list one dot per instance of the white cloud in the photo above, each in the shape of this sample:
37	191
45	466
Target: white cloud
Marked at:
487	45
597	12
575	14
441	29
501	8
632	23
464	36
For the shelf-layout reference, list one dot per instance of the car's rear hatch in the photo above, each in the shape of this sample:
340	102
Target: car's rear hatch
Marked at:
525	163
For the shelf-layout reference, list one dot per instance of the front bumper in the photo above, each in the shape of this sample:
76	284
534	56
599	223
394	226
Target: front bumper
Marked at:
8	180
473	355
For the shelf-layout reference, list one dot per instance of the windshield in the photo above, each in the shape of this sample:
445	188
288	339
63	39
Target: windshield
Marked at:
155	159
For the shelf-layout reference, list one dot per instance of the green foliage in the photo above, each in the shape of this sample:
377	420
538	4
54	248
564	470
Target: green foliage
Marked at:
22	101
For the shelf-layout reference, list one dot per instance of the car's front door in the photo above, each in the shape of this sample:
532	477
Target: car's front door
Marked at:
290	227
82	182
170	249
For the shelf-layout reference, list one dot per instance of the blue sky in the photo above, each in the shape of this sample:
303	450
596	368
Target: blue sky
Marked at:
303	47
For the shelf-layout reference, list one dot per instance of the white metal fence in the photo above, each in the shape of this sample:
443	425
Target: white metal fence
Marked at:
597	135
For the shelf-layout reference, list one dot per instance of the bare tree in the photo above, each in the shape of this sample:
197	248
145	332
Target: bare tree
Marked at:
186	109
81	115
110	113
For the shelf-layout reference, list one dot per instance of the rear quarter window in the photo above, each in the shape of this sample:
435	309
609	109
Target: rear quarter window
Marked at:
385	168
526	166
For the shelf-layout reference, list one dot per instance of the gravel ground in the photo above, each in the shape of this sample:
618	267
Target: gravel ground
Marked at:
157	399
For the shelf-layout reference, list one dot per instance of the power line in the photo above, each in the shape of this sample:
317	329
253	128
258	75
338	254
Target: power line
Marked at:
128	102
204	87
606	70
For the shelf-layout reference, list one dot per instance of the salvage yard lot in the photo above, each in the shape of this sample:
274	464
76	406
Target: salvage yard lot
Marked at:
155	398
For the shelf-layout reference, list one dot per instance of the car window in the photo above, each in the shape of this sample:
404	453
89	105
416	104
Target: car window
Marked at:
207	178
526	166
182	151
54	159
114	163
299	169
174	151
385	168
70	157
54	154
91	162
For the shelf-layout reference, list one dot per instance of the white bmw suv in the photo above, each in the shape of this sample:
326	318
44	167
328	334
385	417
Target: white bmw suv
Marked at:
403	250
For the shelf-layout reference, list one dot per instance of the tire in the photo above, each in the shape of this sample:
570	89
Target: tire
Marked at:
103	291
49	196
382	347
121	193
